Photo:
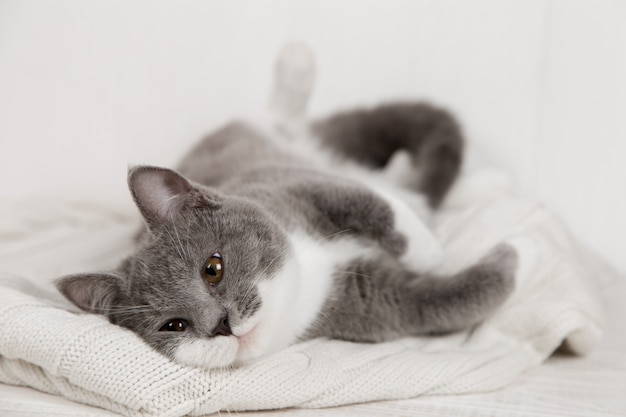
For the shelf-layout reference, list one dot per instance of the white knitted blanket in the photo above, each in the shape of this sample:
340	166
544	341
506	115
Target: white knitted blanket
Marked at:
84	358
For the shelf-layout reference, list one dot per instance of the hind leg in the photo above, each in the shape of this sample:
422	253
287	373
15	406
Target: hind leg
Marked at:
429	136
294	78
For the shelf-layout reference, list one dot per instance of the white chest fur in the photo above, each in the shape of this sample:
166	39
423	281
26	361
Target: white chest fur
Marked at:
294	297
319	261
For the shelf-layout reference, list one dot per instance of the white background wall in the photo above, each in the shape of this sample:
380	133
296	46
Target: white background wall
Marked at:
87	87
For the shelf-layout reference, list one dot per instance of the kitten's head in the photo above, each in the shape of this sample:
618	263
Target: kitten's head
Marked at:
209	282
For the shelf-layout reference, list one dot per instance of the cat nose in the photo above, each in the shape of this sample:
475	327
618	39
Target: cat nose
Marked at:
223	327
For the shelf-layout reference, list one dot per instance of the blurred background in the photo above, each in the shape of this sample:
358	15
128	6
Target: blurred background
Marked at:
89	87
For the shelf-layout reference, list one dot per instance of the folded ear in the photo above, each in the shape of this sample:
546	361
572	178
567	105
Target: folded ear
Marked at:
95	293
161	193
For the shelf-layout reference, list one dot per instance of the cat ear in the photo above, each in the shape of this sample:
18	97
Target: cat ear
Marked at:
161	193
95	293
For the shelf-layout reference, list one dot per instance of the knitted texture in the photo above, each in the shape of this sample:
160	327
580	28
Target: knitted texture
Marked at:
86	359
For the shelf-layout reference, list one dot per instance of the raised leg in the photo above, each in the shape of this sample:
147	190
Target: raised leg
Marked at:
429	135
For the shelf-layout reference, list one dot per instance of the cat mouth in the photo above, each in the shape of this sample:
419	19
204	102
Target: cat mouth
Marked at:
245	339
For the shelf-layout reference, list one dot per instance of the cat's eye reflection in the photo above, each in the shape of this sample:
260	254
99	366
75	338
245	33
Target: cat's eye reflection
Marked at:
175	325
213	269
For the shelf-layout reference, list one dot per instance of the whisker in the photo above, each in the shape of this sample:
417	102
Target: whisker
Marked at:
134	305
356	273
171	237
131	309
121	309
180	244
334	234
187	242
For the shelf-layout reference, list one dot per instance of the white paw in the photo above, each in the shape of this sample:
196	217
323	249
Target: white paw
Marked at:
527	254
424	251
294	79
295	67
399	168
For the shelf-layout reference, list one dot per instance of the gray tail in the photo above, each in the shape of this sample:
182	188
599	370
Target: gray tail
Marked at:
430	135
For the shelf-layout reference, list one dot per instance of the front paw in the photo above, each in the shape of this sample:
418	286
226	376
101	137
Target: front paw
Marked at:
528	256
513	261
503	257
496	271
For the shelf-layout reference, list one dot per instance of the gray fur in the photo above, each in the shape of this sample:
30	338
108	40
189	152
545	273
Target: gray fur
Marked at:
371	136
375	300
239	194
162	279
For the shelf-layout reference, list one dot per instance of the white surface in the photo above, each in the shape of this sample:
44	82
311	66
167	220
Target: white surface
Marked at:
563	387
84	358
88	87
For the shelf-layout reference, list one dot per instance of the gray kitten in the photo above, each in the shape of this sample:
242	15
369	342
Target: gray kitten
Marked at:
261	240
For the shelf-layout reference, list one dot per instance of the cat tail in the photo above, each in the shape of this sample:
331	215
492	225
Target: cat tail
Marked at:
429	138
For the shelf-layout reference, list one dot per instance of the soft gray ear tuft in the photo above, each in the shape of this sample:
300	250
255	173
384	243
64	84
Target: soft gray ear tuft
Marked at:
95	293
161	193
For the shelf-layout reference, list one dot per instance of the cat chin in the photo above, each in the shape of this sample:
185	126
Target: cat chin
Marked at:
250	343
215	352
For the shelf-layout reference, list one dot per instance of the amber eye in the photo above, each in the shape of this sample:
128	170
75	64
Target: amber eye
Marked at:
213	269
175	325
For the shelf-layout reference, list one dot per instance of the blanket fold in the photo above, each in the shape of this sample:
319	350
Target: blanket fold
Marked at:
86	359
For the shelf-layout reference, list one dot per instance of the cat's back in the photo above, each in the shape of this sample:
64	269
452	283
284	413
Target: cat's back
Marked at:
293	176
232	151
